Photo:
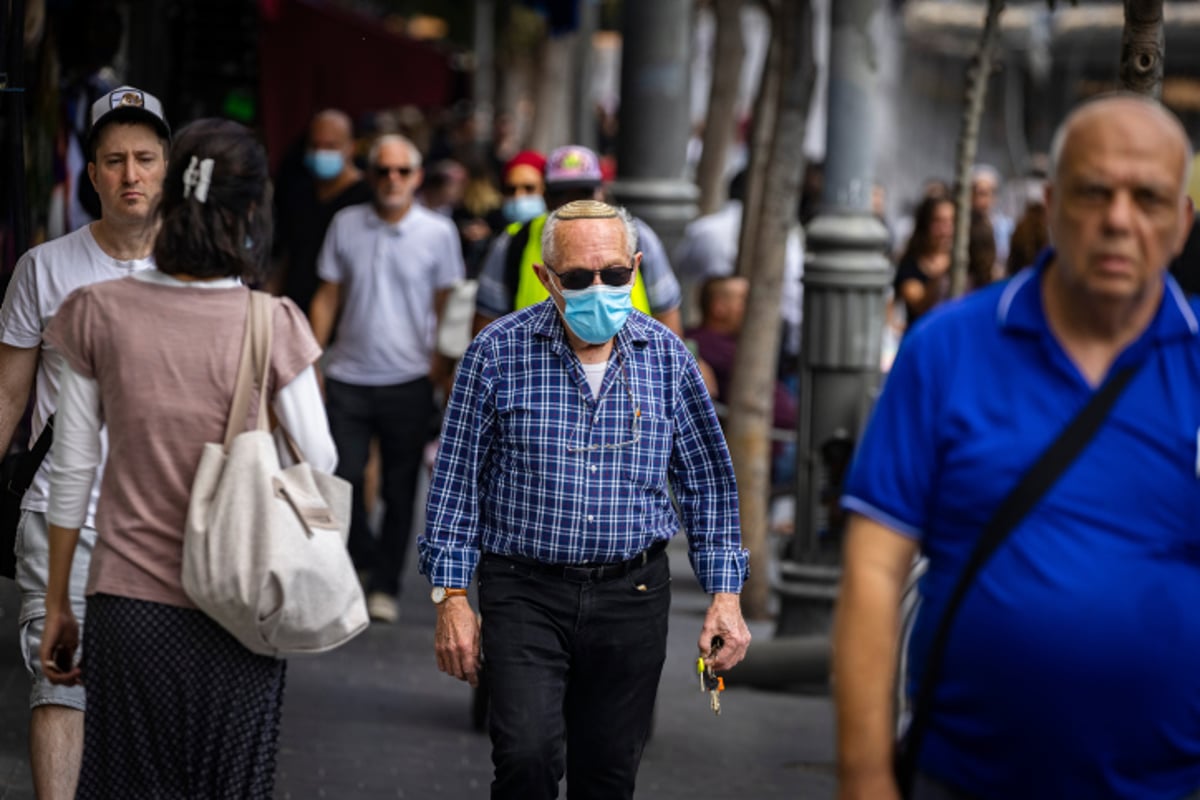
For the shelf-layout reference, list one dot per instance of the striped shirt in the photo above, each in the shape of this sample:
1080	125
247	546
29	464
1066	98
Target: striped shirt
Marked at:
531	465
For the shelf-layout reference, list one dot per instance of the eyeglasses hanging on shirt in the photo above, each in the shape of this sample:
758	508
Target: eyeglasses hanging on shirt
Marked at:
635	434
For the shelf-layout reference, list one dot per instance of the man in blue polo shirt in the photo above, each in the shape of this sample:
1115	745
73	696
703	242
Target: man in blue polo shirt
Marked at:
1071	669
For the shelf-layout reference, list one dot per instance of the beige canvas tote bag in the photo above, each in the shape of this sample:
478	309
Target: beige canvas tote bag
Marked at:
264	551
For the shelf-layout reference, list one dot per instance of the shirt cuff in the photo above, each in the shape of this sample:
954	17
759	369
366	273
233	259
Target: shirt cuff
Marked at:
451	567
721	570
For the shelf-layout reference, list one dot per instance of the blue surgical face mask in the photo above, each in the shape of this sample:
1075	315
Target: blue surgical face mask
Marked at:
524	208
597	313
325	164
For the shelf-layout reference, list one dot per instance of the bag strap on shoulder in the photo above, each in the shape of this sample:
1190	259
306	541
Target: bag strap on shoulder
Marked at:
1030	489
254	367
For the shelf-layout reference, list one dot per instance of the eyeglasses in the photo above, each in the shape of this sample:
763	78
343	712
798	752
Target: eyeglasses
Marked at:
382	171
582	278
635	433
527	188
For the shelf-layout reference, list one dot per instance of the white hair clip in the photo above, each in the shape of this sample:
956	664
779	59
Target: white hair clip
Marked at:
198	175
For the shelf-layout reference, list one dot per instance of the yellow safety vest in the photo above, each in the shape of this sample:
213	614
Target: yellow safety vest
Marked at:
530	289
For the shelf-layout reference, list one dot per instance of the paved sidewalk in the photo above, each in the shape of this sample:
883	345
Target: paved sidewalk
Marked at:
375	719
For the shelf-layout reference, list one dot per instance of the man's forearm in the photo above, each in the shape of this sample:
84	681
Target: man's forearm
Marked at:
17	368
323	311
865	651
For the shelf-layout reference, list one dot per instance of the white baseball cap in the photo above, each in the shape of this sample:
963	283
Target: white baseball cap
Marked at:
131	105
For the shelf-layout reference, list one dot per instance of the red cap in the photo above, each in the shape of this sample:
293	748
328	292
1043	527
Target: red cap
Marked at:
529	158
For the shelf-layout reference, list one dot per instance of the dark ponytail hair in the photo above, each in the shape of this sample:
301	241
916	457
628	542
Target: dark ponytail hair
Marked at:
229	233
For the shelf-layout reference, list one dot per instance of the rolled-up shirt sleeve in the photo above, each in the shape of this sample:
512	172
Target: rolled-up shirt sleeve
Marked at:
449	549
76	452
702	476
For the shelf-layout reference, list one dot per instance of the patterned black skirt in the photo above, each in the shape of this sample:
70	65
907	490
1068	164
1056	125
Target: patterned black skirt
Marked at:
176	707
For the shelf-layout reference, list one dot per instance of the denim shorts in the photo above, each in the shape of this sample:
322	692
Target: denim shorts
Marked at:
33	572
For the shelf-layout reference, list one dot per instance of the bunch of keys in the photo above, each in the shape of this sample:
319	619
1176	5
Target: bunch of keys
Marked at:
709	681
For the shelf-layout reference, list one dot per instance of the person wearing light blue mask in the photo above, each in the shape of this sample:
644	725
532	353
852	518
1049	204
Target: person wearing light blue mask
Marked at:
595	301
524	208
330	153
307	199
524	187
574	425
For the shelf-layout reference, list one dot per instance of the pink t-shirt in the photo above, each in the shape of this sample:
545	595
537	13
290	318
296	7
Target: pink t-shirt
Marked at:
164	359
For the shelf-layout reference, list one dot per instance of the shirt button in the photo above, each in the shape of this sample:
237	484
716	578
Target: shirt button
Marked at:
593	468
591	518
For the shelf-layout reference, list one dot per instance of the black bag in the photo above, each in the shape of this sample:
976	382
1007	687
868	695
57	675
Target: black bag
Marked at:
16	474
1030	489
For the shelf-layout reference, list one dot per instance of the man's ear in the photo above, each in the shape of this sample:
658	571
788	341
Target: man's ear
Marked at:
91	168
543	275
1189	218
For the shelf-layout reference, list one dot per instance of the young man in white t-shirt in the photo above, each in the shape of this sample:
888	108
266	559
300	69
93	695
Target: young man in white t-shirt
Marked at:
127	156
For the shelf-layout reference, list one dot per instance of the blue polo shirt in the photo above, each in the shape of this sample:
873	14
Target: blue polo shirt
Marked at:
1073	668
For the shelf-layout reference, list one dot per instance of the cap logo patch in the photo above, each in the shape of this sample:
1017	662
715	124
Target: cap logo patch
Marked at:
127	100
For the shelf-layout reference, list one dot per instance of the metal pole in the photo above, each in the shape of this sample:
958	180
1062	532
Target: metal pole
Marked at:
655	116
846	276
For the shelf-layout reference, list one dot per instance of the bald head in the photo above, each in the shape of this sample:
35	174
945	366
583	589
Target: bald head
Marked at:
1118	207
330	130
1133	109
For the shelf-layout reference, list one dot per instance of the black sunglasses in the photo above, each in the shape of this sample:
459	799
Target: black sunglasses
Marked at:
528	188
576	279
403	172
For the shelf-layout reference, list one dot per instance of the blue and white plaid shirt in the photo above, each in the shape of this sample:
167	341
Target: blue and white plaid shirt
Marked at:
530	464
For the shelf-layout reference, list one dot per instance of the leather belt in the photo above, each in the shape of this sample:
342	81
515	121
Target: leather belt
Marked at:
591	573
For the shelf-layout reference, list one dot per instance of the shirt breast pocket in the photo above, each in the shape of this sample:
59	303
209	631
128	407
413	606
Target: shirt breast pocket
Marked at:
644	463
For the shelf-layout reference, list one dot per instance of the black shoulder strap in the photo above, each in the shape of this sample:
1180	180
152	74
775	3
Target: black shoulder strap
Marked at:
23	475
1033	485
512	260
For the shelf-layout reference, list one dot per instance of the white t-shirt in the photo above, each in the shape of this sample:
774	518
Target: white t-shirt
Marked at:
43	278
389	275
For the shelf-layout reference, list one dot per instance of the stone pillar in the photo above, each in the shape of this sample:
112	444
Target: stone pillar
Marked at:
655	116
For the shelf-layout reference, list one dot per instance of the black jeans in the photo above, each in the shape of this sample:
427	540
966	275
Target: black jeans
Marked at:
574	662
400	416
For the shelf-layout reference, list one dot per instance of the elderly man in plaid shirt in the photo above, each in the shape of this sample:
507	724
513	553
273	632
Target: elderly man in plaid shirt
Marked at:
571	424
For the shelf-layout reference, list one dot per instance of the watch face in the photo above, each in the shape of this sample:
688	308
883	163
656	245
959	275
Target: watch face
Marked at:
438	594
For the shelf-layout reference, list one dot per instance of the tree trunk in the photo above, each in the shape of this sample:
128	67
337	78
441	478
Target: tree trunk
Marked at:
729	51
968	142
754	375
1143	48
762	133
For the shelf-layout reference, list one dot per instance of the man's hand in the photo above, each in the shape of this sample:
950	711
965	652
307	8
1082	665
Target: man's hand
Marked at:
456	640
724	619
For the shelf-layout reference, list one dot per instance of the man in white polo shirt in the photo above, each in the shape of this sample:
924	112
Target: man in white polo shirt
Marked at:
386	268
127	160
